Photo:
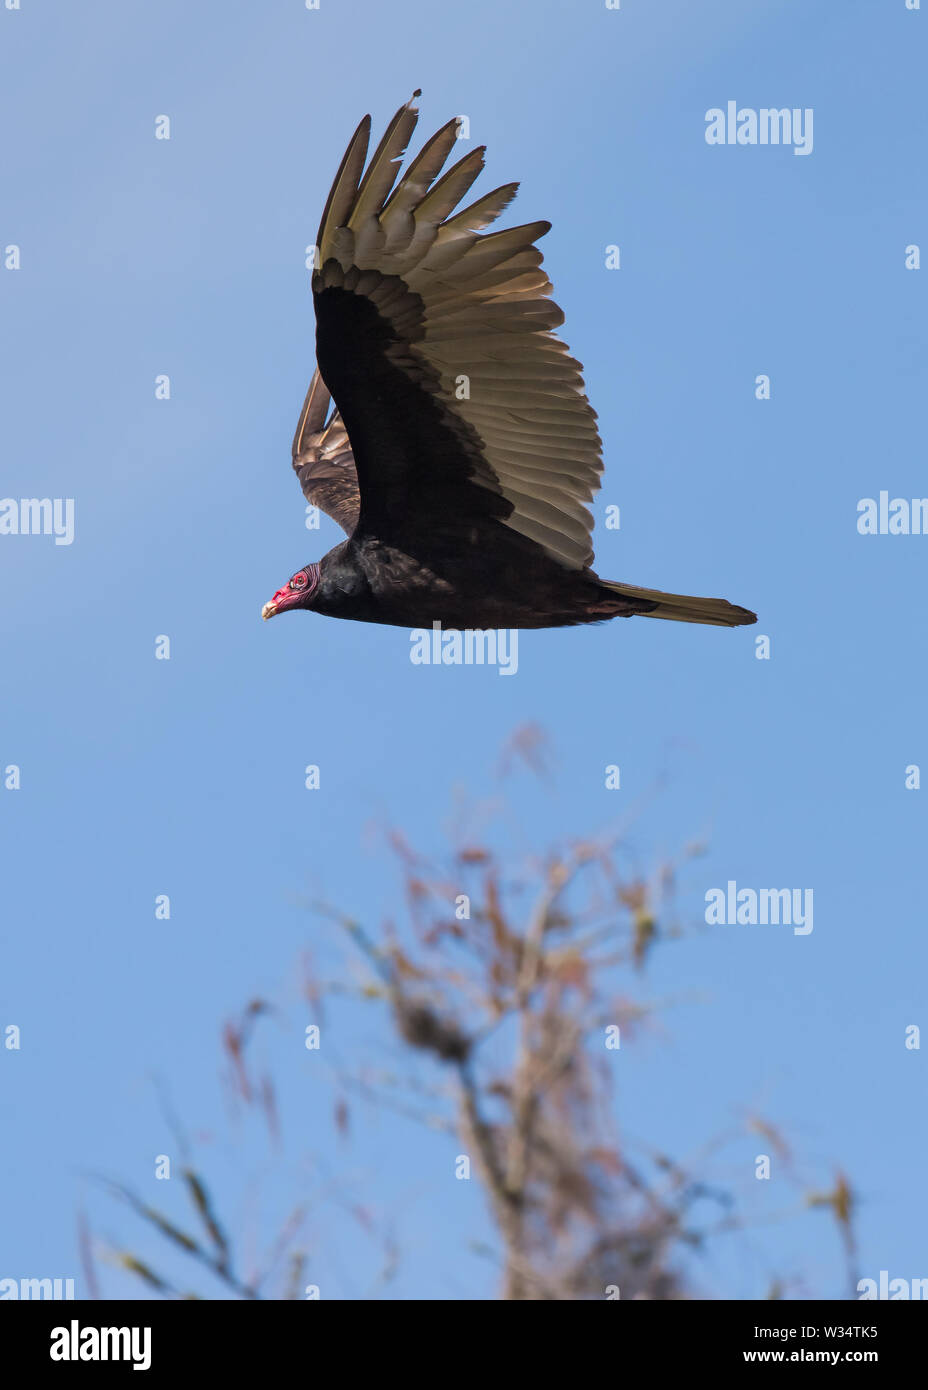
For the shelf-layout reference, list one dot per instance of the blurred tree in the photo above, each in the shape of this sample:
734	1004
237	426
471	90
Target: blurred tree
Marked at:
521	988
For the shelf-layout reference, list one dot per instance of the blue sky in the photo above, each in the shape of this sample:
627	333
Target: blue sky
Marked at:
185	777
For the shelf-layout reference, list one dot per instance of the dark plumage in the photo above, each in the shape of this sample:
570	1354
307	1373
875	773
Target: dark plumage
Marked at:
462	453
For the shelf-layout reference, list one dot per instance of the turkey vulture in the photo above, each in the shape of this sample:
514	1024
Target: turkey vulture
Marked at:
462	453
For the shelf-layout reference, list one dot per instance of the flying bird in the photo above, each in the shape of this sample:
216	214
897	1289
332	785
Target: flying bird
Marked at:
461	454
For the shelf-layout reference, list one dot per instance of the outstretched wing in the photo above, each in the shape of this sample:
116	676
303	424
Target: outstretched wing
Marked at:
462	407
323	461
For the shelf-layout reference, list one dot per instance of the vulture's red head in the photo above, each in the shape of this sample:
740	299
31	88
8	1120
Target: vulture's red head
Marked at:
297	592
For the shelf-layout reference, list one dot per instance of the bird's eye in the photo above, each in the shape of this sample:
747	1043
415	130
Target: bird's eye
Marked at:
298	581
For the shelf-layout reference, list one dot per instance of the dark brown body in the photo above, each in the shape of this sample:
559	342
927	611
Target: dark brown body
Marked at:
463	453
368	581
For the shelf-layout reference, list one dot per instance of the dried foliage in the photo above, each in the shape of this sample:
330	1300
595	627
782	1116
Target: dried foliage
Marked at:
516	986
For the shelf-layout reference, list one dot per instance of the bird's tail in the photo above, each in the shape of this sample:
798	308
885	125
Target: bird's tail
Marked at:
683	608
